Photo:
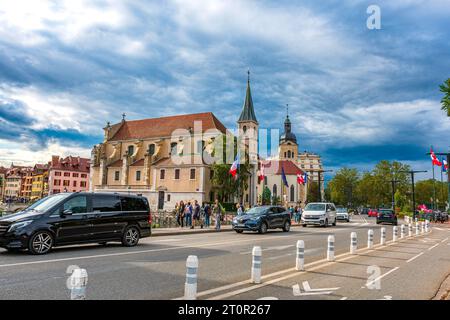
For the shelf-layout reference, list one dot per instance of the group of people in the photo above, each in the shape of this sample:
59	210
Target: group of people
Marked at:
191	214
296	212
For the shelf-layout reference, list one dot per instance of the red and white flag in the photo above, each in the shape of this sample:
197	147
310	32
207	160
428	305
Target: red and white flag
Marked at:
261	172
434	159
300	178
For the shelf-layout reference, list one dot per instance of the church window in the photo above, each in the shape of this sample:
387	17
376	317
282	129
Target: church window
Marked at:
289	153
274	190
162	174
130	150
292	193
151	149
173	148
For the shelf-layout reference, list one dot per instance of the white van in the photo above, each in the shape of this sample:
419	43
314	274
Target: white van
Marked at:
319	213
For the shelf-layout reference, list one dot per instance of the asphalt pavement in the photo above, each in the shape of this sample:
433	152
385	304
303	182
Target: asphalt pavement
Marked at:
156	268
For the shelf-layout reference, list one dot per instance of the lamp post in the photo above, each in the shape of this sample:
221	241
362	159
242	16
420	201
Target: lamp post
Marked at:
412	173
319	172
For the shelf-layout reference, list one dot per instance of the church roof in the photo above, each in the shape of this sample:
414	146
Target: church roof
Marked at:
165	126
274	167
248	112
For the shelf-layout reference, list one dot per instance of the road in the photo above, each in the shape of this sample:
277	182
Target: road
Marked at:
155	269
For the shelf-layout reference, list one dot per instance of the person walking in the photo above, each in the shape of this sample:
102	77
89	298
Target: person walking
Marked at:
239	209
217	212
180	218
207	210
196	214
188	214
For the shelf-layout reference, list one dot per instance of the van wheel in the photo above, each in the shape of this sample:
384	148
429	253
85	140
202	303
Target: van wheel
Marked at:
130	237
40	243
263	228
239	231
325	224
334	223
287	226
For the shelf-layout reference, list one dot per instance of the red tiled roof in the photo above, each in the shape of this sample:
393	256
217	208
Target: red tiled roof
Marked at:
70	163
165	126
115	164
138	163
274	167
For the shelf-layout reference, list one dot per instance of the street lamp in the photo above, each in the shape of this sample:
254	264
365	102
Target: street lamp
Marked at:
319	172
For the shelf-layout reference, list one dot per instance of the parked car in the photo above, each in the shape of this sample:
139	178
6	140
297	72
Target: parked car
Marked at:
364	211
387	216
372	213
319	213
75	218
342	214
262	218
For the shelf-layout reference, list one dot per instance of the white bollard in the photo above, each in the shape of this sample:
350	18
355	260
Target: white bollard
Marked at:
190	286
256	265
422	227
402	231
395	233
383	236
330	251
410	230
370	238
353	243
427	226
78	282
417	228
300	261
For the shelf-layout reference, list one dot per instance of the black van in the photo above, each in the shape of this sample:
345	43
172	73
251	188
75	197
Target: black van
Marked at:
74	218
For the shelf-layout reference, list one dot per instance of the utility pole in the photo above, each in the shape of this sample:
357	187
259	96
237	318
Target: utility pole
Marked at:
412	173
393	183
319	172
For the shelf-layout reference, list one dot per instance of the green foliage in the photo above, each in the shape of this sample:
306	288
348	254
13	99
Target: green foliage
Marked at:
445	88
343	185
276	200
313	192
266	196
425	192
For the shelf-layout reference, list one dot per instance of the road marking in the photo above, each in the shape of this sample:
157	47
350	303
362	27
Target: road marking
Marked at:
282	256
444	240
381	277
415	257
271	248
431	248
132	252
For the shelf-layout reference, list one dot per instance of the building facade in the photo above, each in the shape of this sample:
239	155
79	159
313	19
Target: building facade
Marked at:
2	181
70	174
39	187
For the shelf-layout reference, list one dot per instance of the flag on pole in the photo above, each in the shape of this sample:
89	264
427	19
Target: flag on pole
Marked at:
434	159
283	177
261	172
444	165
300	178
235	166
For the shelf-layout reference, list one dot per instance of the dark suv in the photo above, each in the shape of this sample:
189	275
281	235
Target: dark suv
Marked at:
263	218
75	218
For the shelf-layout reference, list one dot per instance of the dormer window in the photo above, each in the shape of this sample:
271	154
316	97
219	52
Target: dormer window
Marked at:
130	150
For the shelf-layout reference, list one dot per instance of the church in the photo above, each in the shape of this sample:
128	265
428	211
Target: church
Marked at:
166	159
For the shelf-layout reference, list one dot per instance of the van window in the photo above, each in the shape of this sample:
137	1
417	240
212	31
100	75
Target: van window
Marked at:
77	204
134	204
105	204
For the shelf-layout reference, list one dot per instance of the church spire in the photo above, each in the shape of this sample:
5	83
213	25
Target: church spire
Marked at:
248	113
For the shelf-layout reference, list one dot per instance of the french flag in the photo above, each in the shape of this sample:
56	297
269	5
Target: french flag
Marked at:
234	167
302	178
444	165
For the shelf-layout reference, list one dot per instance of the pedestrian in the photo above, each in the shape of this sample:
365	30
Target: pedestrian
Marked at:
207	210
180	218
239	209
291	211
202	215
196	214
217	212
188	214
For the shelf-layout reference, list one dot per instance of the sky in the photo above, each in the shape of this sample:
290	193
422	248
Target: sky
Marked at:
355	95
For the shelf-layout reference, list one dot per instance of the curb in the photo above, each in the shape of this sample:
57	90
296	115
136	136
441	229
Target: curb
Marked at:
177	233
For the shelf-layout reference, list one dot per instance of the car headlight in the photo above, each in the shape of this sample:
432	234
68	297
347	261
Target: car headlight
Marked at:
19	225
235	220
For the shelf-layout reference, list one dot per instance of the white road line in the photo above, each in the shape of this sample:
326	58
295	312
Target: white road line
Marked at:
444	240
133	252
431	248
381	277
415	257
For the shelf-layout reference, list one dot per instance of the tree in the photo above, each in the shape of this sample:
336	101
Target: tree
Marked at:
445	88
343	185
424	192
313	192
266	196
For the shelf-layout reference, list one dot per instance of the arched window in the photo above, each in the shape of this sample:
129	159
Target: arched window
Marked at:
274	190
292	193
289	153
265	181
173	148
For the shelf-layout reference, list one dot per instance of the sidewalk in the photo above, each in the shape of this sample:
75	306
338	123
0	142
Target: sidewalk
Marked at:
156	232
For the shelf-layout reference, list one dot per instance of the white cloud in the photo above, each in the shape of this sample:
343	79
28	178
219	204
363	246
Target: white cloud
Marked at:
19	154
